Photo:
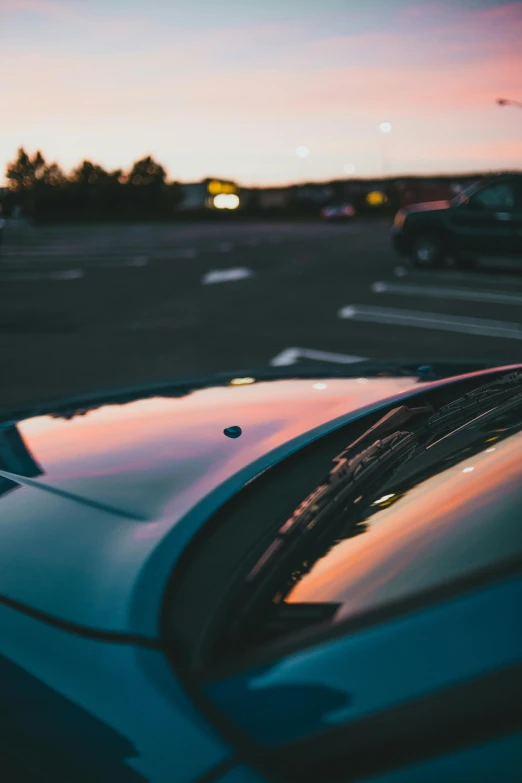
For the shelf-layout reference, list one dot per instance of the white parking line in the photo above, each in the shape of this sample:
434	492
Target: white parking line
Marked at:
446	293
226	275
43	250
138	261
446	323
291	356
453	276
21	254
29	277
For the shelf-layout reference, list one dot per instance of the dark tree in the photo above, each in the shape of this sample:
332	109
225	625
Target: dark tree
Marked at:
147	173
25	171
90	192
54	177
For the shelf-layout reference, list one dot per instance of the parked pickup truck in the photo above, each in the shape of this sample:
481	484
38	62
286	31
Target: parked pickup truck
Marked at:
484	220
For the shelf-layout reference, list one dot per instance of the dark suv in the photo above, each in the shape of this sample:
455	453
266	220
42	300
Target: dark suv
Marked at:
484	220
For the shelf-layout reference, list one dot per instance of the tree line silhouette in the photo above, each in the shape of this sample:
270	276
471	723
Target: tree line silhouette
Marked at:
44	192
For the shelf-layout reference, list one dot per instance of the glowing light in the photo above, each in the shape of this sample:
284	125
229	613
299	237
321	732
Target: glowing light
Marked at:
242	381
319	385
375	198
349	168
302	152
215	187
468	470
361	380
493	448
383	499
226	201
385	127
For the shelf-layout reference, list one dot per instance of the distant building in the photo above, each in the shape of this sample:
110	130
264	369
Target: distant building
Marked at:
273	198
210	194
315	193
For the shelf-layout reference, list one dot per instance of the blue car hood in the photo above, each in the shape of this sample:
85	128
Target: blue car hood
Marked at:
96	509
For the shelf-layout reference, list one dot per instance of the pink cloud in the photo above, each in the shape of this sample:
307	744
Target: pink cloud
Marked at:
45	7
434	75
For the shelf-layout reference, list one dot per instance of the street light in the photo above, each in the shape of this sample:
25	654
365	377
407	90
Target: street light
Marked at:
508	102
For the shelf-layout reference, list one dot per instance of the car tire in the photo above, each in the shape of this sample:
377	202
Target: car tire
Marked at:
427	251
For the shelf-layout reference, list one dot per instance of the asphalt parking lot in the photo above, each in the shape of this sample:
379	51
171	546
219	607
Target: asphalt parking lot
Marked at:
96	307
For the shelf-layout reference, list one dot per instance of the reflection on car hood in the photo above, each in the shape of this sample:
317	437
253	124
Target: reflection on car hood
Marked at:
428	206
105	501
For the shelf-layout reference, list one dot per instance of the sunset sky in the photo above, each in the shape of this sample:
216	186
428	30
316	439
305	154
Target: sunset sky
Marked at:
230	88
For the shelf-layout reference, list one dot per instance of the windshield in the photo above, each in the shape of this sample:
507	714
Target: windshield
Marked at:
413	538
449	513
212	187
464	195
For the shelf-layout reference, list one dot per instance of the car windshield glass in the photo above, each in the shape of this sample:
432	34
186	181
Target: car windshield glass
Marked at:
464	195
451	511
413	538
494	197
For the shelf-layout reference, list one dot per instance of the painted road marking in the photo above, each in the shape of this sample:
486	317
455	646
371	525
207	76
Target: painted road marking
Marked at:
29	277
453	275
292	355
66	274
226	275
43	250
484	276
437	321
446	293
138	261
92	254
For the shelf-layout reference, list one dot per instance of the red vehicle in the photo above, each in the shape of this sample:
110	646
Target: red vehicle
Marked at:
338	212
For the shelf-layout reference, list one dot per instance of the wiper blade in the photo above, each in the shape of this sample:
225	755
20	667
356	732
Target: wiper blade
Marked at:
354	469
479	418
484	398
392	421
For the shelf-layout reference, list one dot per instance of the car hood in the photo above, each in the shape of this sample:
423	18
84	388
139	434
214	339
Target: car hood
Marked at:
96	509
428	206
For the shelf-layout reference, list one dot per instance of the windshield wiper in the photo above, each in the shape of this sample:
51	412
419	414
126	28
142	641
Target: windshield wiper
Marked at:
483	399
355	469
376	455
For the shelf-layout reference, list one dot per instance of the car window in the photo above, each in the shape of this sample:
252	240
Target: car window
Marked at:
495	197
